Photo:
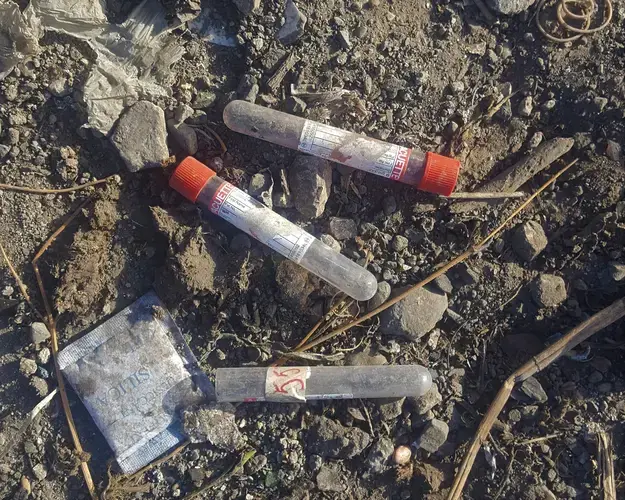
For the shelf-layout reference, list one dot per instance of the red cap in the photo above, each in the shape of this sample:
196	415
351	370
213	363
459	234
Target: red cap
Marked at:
190	177
440	174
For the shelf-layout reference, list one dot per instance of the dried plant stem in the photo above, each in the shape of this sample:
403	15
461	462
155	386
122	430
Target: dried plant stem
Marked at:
592	325
457	260
51	324
485	196
246	457
21	189
20	283
606	465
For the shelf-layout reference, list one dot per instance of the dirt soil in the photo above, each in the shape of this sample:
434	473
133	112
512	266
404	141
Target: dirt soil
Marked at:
417	73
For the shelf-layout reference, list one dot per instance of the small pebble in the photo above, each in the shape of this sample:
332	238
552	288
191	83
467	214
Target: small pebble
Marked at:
401	455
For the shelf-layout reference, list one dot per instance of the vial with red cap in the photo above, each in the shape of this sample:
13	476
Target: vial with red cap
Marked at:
426	171
199	184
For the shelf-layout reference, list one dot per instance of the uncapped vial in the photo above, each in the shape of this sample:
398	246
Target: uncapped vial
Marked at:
199	184
428	172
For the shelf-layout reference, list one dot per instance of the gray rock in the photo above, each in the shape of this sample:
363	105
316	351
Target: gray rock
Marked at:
248	88
613	151
538	492
39	333
184	136
535	140
443	283
197	474
344	39
204	99
533	390
329	439
400	243
433	436
246	7
295	105
390	408
294	24
331	242
141	137
214	423
261	188
529	240
40	472
379	456
4	150
366	357
310	180
28	366
381	296
59	87
343	228
13	135
617	271
428	401
526	105
549	105
43	356
549	290
295	284
330	478
415	315
510	6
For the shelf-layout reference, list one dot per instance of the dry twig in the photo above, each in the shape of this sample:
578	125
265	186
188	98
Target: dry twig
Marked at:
592	325
606	465
22	189
486	196
246	457
443	269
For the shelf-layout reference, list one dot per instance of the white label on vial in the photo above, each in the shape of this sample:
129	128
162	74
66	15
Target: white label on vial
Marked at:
346	395
286	383
251	216
354	150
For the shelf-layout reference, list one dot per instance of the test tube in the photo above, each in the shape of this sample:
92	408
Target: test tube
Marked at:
426	171
199	184
302	383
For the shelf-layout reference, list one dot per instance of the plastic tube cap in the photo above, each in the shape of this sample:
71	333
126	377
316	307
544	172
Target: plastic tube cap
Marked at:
440	174
190	177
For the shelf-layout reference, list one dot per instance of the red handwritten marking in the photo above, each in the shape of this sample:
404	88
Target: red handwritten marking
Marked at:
281	388
285	372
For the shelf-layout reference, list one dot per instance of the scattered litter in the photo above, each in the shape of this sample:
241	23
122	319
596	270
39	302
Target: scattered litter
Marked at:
490	460
588	9
428	172
198	183
402	455
133	58
214	423
133	373
274	82
303	383
213	29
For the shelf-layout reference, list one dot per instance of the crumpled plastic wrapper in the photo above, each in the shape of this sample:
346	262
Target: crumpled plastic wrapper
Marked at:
133	58
135	373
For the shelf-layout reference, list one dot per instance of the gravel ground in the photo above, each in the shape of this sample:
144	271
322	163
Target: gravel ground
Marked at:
415	74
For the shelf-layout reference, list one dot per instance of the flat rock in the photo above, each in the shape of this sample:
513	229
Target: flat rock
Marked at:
343	228
331	242
529	240
379	456
415	315
510	6
39	333
366	357
538	492
214	423
141	137
617	271
533	390
381	296
246	7
330	478
433	436
310	180
549	290
294	24
28	366
184	136
390	408
261	188
329	439
428	401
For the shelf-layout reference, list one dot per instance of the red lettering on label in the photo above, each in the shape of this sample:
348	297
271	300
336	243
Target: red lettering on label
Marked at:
281	388
400	163
220	196
285	372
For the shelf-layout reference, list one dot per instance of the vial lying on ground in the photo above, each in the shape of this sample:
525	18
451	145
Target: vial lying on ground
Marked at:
302	383
199	184
134	373
427	172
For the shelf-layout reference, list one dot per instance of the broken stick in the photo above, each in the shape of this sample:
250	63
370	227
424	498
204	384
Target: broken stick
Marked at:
583	331
518	174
